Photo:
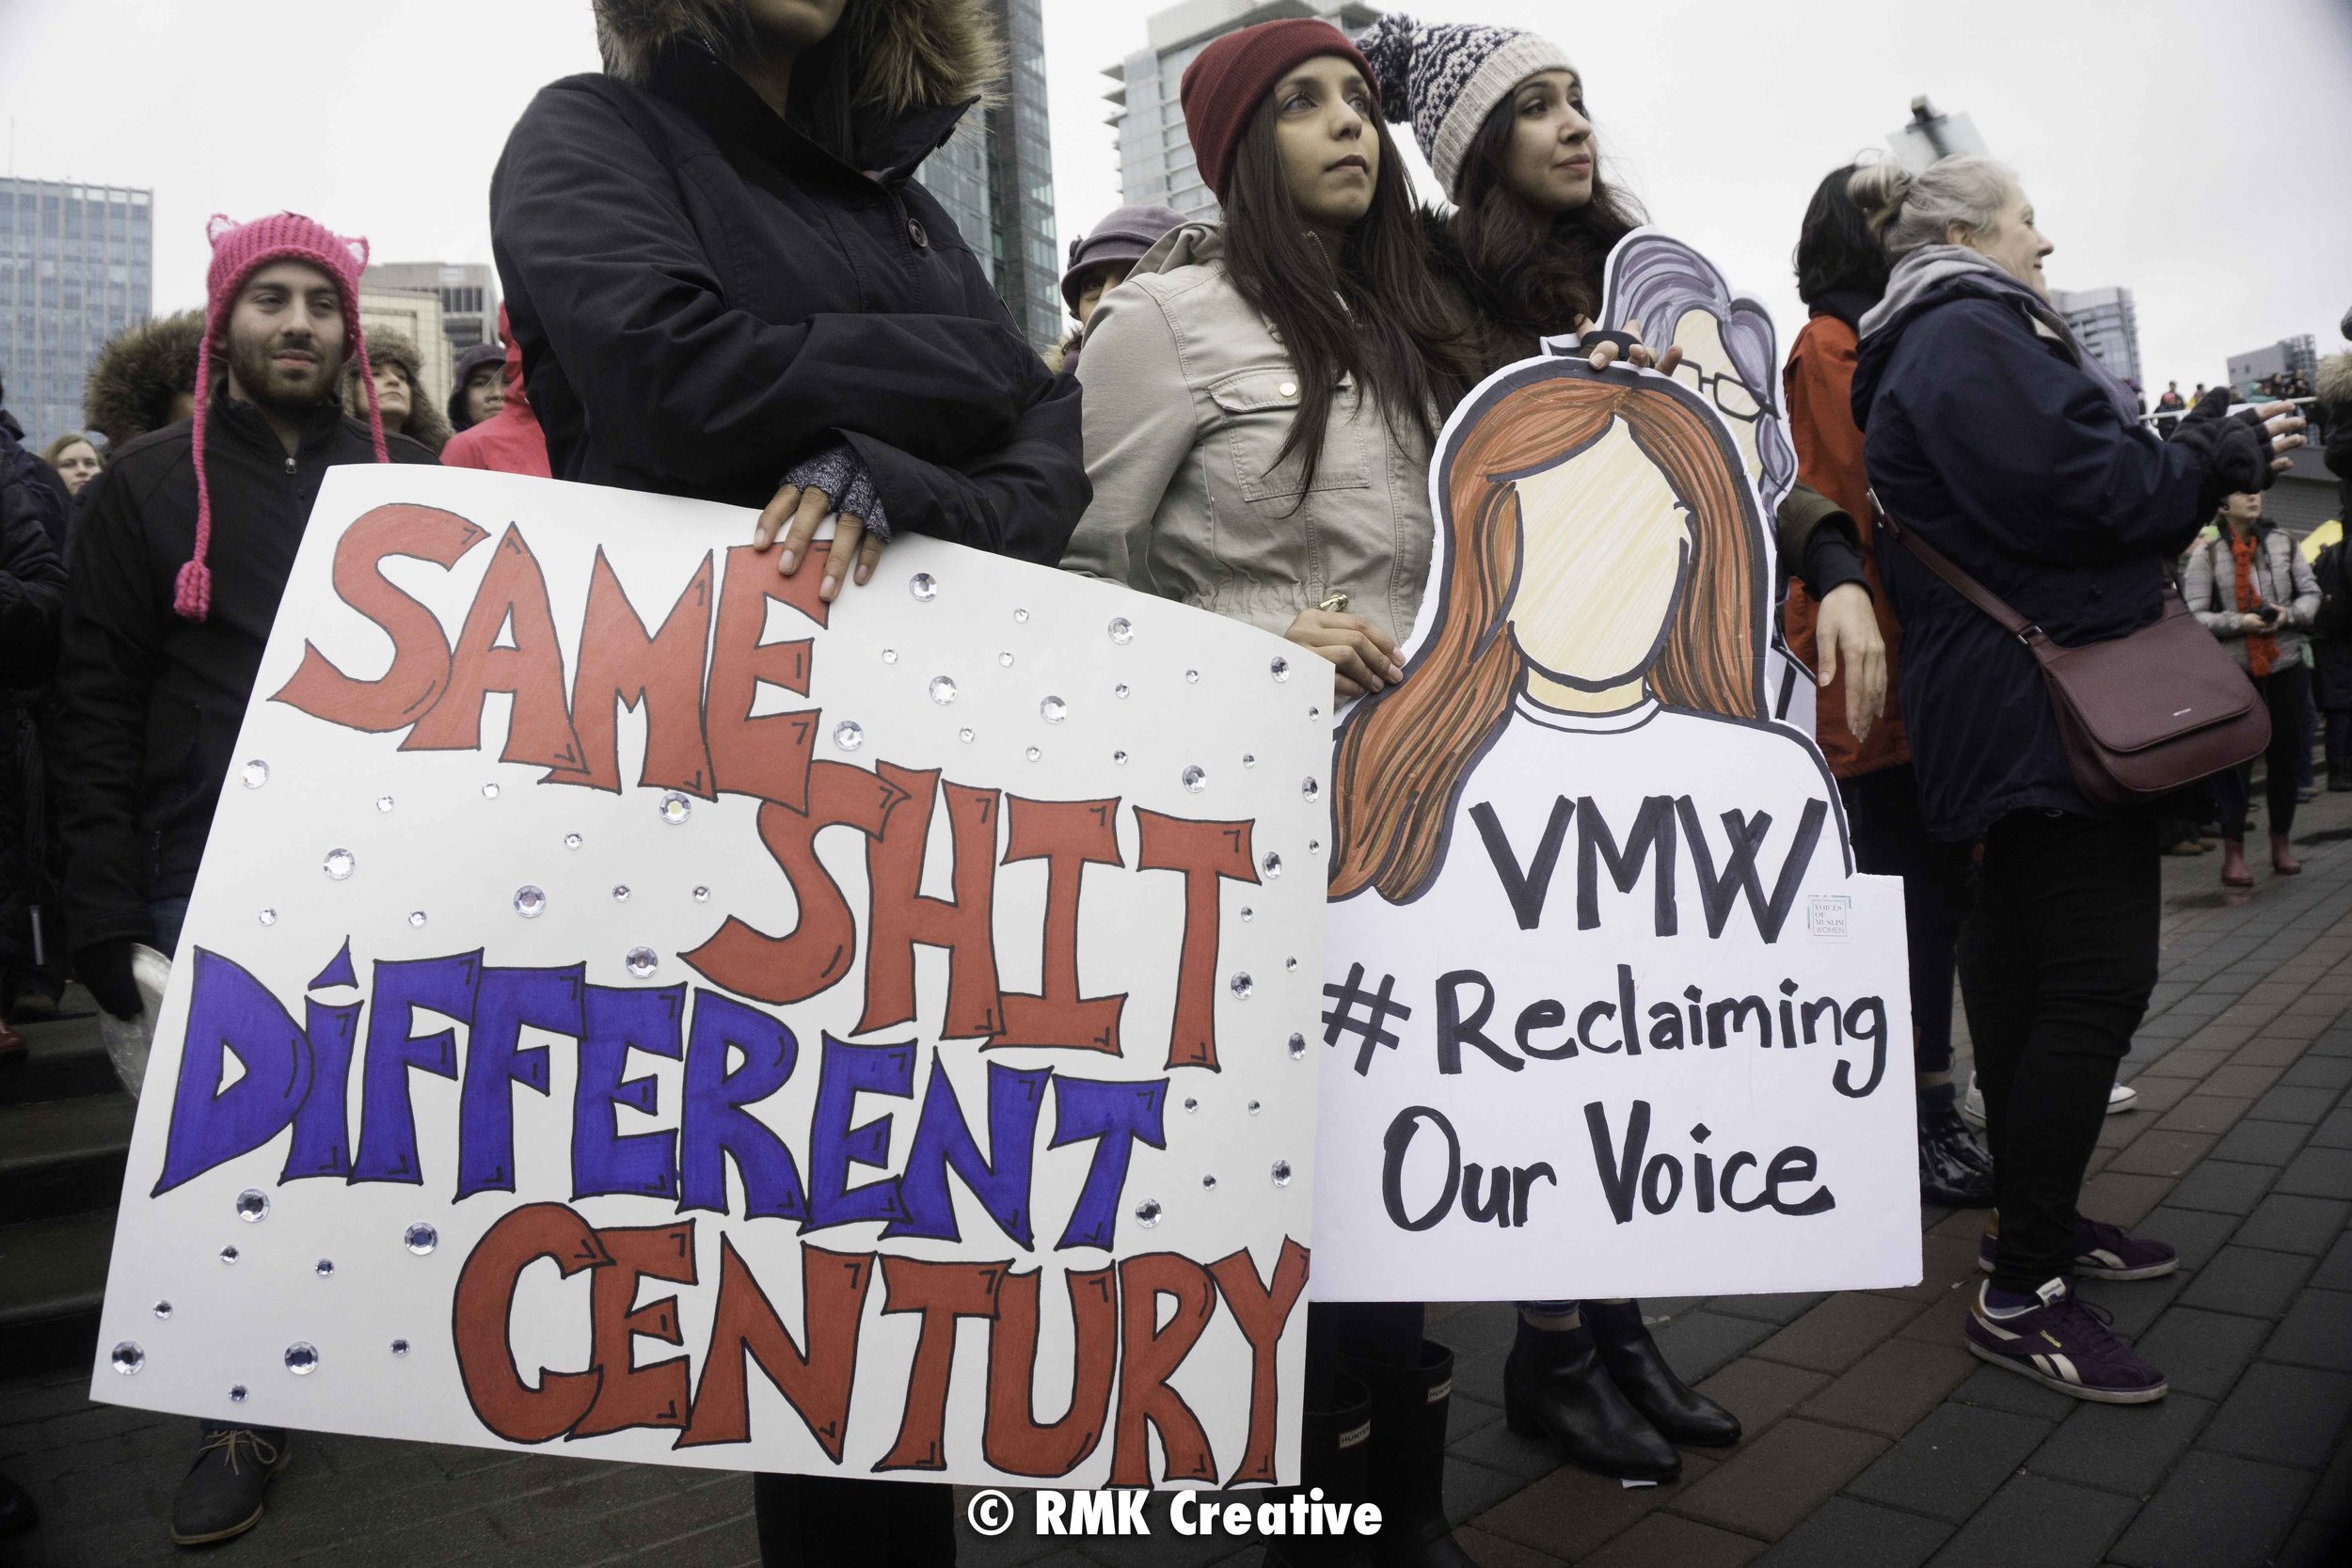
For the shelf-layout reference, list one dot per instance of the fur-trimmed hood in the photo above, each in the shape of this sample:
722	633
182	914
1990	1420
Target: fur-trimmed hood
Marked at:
428	422
2332	386
130	387
907	54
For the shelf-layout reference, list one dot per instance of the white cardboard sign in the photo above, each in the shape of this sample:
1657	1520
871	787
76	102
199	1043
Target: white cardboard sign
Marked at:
1609	1011
629	1008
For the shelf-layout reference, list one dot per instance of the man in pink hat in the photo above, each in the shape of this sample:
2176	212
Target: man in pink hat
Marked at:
178	559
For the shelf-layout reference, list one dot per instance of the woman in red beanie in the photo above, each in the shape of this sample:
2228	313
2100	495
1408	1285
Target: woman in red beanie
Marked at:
1276	469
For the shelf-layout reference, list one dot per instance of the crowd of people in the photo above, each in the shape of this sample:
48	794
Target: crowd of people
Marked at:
723	282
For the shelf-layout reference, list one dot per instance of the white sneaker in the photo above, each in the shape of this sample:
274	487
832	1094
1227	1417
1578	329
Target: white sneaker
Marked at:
2120	1097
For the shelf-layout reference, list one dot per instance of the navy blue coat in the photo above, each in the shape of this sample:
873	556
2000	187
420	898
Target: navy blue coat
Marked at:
1986	438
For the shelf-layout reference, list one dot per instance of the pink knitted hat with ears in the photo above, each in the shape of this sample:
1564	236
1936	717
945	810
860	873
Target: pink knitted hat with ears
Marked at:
239	251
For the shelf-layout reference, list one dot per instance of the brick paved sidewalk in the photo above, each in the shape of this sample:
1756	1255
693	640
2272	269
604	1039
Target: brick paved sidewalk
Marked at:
1872	1437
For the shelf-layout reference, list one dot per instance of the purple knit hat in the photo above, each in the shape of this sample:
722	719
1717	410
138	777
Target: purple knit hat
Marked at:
239	251
1125	235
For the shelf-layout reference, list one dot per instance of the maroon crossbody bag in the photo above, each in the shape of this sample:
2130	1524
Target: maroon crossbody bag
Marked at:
2139	715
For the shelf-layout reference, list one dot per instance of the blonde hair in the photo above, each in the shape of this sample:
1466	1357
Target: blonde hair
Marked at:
1909	212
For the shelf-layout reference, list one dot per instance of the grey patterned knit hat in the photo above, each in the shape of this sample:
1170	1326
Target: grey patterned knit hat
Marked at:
1446	77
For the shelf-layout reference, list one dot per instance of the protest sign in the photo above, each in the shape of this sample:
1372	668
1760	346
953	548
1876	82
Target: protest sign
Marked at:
1609	1011
631	1006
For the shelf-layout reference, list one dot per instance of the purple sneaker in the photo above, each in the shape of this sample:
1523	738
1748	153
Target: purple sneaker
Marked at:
2101	1251
2064	1344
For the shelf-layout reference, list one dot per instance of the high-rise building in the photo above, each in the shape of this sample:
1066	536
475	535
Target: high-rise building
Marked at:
469	293
1154	155
76	267
2283	357
996	178
2105	322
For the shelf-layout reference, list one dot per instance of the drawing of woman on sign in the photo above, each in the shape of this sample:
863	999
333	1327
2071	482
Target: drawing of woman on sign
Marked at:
1591	648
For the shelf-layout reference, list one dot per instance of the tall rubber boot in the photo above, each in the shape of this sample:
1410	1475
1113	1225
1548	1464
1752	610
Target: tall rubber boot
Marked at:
1409	1406
1678	1411
1334	1454
1554	1386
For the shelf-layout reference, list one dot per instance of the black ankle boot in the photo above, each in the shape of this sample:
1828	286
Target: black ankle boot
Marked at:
1673	1406
1334	1454
1554	1385
1406	1472
852	1522
2339	778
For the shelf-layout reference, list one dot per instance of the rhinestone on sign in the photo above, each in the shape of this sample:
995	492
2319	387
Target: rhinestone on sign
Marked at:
340	864
923	586
1281	1173
702	896
128	1358
1034	754
1247	913
383	803
1250	759
1310	790
1313	714
162	1310
229	1255
324	1268
1241	985
1021	617
1004	658
848	734
1208	1183
965	736
1315	847
416	917
1290	966
573	841
620	892
1147	1216
890	655
1271	866
1280	668
489	792
1196	778
236	1394
942	689
1119	691
256	773
1192	677
253	1206
1122	631
302	1358
421	1238
1053	710
1297	1046
1191	1104
530	902
676	808
267	917
641	962
400	1347
1119	757
1255	1107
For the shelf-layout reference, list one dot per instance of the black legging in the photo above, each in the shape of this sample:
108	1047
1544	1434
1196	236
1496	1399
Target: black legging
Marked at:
2056	961
1890	839
2284	691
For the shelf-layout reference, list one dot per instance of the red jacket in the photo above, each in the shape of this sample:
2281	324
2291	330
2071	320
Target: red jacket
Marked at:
509	441
1818	380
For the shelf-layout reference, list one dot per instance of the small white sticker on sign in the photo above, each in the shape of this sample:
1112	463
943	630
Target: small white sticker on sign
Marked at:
1829	917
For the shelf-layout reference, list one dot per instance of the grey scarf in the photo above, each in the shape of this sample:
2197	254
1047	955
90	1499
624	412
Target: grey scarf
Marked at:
1931	265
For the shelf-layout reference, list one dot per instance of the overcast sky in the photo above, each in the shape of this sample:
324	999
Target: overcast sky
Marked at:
2199	154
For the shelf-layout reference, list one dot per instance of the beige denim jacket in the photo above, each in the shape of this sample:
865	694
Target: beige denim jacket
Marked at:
1188	398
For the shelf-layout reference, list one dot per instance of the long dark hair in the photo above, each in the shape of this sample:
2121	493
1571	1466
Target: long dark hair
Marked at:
1534	273
1836	251
1378	315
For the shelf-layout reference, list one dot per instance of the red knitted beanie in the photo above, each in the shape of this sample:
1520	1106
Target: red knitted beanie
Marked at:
1227	81
239	251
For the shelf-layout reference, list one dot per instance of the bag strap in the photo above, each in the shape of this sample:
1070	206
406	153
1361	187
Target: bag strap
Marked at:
1959	582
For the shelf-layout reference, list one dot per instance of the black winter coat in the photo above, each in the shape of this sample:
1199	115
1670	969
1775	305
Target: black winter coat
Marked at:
150	703
32	586
1985	438
704	297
